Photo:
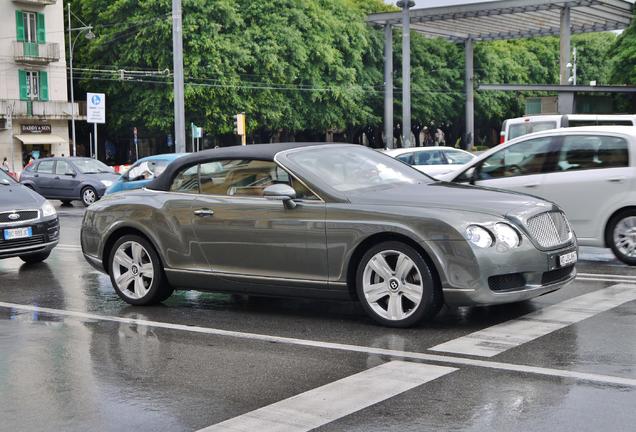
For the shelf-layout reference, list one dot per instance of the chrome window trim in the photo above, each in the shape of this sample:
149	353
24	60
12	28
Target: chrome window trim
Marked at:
4	224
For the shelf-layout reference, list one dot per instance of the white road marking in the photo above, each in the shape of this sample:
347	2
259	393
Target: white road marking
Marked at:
66	246
335	400
617	280
603	379
607	275
510	334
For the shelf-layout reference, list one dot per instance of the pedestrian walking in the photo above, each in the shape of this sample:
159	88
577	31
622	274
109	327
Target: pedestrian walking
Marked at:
439	137
5	165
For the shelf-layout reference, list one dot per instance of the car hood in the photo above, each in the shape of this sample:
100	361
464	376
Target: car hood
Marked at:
455	197
18	197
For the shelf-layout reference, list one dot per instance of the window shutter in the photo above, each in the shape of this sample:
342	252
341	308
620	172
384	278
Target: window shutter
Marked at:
24	87
44	86
19	25
41	29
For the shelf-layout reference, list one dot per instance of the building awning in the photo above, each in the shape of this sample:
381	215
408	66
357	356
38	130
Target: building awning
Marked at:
40	139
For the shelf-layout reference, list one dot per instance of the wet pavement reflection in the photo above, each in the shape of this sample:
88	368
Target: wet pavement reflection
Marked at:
71	373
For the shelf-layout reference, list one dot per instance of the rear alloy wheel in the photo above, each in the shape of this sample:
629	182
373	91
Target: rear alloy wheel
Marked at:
89	196
35	258
395	285
136	272
621	236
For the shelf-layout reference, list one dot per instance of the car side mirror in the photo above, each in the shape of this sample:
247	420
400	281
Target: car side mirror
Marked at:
5	182
281	192
471	174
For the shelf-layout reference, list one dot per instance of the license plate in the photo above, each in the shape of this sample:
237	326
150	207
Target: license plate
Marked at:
18	233
567	259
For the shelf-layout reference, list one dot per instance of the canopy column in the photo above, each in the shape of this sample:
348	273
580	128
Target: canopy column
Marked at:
406	71
566	99
469	78
388	86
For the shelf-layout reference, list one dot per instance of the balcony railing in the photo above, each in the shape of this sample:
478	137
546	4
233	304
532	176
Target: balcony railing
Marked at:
36	2
34	53
53	110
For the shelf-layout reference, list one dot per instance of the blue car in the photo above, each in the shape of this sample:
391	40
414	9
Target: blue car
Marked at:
143	172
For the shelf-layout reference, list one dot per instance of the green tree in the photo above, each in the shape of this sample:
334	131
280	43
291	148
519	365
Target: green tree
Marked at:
291	65
623	56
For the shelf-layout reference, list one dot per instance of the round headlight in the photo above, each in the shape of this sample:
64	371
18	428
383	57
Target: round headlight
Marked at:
507	235
48	209
479	236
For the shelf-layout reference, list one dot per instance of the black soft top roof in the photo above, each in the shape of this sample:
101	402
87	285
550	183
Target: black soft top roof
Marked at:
249	152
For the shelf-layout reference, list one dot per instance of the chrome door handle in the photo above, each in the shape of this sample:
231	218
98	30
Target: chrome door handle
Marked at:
204	212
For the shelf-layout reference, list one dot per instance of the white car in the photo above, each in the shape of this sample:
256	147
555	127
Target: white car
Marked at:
590	172
433	161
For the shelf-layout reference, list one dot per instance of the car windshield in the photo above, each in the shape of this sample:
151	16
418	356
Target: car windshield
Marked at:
521	129
5	176
352	169
456	157
90	166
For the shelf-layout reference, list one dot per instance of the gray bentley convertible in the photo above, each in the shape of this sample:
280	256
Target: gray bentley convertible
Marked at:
327	221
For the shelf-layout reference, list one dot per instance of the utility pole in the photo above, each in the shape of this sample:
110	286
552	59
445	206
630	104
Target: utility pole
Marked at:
70	55
177	59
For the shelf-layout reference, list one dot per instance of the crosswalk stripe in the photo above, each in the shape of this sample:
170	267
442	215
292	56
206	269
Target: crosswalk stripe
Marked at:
510	334
335	400
457	361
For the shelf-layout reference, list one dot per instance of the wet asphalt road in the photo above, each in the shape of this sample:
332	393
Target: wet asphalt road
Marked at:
81	359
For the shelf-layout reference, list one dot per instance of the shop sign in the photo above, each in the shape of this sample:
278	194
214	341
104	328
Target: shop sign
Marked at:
35	128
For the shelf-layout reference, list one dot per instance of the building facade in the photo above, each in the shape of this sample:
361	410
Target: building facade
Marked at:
34	107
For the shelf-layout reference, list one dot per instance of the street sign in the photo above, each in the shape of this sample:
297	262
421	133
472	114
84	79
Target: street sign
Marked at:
197	132
96	108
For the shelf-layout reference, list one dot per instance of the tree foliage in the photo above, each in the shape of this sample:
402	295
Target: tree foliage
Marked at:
623	56
300	68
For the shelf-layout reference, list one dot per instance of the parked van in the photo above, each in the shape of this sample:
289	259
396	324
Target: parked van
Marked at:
516	127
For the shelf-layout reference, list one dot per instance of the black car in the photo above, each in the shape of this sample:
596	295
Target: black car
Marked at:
69	179
29	227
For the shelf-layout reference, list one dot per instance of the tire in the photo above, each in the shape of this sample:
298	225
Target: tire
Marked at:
394	302
130	255
35	258
621	236
88	196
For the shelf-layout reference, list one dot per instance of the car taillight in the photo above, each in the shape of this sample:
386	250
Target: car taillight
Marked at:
502	137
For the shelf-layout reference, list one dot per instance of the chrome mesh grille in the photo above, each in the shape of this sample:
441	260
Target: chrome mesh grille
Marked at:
23	216
550	229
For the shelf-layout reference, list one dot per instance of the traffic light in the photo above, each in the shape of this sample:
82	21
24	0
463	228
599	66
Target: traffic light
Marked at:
239	124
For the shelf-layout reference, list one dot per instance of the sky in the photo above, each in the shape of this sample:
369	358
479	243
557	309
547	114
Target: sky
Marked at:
435	3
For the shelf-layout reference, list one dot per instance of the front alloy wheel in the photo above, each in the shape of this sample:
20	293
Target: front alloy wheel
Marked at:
136	273
395	285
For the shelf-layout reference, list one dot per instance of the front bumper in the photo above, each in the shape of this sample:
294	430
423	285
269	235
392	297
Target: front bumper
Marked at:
46	233
513	276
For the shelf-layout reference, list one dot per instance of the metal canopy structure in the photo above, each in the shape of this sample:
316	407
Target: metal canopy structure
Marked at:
478	20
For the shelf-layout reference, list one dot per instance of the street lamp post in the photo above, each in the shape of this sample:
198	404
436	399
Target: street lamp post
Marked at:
71	45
